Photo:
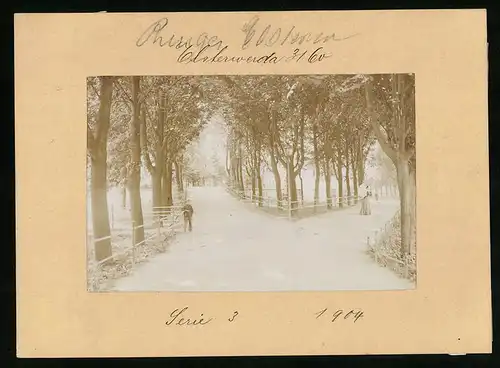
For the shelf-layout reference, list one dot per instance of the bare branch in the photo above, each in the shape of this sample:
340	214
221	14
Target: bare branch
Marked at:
280	155
145	94
333	158
301	160
91	84
124	95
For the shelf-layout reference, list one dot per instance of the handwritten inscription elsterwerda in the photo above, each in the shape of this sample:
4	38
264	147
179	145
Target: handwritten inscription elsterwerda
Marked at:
206	48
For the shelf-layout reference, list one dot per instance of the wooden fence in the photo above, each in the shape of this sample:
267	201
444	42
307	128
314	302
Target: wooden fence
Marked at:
293	209
384	247
159	225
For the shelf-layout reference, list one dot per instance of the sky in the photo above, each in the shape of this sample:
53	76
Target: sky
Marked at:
213	141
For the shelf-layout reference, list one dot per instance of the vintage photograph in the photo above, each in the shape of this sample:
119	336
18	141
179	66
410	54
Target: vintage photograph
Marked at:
251	183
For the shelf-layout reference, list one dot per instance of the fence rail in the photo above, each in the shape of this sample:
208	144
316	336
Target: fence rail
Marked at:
298	208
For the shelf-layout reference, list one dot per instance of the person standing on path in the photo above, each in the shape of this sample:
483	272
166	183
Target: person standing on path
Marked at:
187	212
365	193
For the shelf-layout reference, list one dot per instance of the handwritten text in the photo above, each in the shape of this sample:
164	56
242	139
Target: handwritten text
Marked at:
353	314
204	56
156	34
181	317
208	49
270	37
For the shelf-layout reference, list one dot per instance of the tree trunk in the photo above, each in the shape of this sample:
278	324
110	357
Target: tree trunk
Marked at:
233	171
361	171
277	177
124	196
293	186
253	178
413	191
124	186
407	201
317	178
340	181
348	184
167	184
317	174
240	169
100	213
228	162
156	171
259	184
355	182
99	156
254	187
328	183
413	186
301	188
157	200
135	164
181	177
239	178
164	180
237	175
178	176
235	181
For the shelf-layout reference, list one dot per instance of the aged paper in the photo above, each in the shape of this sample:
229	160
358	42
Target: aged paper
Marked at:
255	269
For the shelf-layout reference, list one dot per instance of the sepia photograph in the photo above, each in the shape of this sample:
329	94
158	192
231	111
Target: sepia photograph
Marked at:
258	183
253	190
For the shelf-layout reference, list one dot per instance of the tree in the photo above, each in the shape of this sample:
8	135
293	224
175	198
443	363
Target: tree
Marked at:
134	168
154	113
172	118
290	115
358	137
118	148
332	127
97	138
391	105
248	108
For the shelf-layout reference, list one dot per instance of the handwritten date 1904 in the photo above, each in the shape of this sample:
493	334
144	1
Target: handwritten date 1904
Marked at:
353	314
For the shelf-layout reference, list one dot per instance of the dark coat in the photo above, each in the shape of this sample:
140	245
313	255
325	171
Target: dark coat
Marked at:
188	210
